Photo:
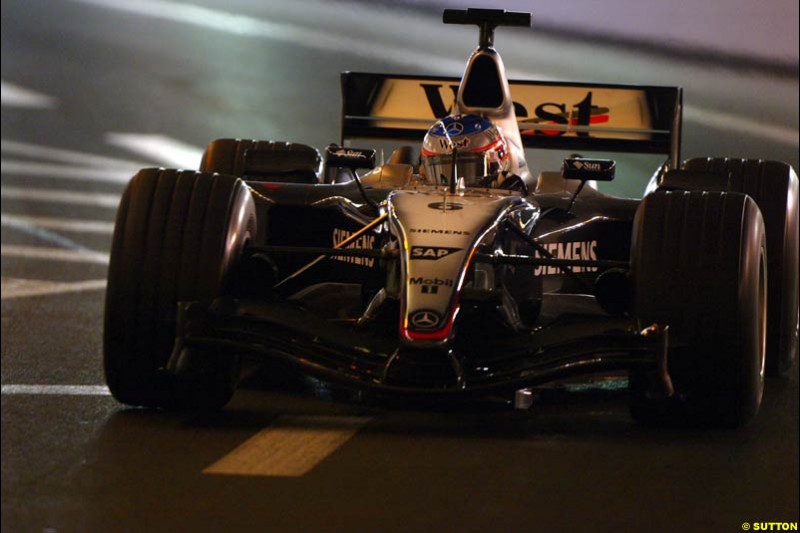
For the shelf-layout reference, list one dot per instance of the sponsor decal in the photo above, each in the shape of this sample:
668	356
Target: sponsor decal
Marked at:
446	144
455	128
588	165
425	319
435	100
581	250
365	241
431	253
430	282
439	231
446	206
582	113
350	153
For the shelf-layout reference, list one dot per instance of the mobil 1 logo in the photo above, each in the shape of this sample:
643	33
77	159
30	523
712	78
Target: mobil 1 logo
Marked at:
430	285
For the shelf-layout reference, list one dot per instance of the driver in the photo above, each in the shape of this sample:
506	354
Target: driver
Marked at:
482	158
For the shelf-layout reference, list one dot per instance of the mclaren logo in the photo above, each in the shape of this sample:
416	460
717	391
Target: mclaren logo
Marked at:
431	253
424	319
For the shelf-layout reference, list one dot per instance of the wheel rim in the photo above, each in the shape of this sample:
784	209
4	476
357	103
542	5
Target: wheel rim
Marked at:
762	321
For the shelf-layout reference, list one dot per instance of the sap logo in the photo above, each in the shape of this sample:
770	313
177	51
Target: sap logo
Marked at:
439	231
365	241
431	282
431	253
580	250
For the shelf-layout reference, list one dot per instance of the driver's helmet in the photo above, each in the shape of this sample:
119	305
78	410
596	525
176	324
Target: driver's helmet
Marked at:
481	150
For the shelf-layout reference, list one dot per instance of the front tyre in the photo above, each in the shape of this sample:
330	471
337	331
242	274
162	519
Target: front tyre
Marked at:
699	264
177	237
774	187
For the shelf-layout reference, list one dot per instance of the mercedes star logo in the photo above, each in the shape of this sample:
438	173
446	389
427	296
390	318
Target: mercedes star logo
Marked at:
455	128
446	206
425	319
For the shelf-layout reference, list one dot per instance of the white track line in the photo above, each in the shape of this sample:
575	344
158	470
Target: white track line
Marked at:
53	254
15	96
52	238
54	170
61	155
61	197
165	150
290	447
59	390
13	288
62	224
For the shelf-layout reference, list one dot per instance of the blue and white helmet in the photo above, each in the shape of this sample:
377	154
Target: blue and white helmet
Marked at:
481	149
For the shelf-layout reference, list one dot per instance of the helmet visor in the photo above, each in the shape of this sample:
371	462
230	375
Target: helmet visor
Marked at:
470	167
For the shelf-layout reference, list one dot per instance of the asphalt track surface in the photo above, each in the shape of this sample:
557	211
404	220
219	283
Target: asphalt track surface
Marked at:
86	86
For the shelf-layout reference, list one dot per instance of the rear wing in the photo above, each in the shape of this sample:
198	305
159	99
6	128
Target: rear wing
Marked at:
551	115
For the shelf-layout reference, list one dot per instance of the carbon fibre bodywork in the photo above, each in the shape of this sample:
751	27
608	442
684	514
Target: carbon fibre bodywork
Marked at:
505	326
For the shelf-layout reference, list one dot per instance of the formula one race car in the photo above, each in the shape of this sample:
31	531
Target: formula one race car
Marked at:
458	272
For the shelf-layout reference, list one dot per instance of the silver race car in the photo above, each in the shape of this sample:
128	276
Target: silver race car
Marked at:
451	269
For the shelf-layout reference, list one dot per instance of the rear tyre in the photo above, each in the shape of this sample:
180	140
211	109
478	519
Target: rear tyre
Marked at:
774	187
178	235
699	265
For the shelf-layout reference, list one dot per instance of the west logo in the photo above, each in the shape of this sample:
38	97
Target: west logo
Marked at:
436	102
580	250
431	253
582	113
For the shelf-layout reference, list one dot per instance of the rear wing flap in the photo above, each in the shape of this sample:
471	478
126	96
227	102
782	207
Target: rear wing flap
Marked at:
551	115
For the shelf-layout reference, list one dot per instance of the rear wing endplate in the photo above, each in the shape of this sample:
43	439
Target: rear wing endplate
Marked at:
551	115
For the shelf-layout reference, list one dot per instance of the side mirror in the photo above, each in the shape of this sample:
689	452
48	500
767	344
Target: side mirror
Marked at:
352	158
588	169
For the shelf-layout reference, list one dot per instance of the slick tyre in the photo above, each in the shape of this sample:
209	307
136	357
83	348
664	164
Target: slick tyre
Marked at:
262	160
177	237
699	265
226	156
774	187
